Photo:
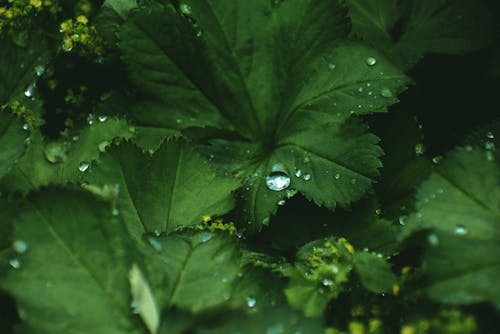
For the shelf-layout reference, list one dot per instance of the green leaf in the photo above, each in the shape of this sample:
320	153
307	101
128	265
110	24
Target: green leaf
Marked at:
298	117
460	202
408	30
173	188
18	70
192	271
73	275
12	144
61	162
374	272
271	320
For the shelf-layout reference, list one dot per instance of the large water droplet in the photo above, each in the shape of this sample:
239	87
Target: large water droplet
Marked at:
84	166
55	152
277	181
251	302
370	61
460	230
20	246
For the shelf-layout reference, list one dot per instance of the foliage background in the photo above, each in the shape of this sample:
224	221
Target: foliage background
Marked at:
451	103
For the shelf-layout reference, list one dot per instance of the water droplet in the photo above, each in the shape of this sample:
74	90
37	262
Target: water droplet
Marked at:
433	240
265	221
331	66
386	92
281	202
55	152
83	167
103	118
15	263
437	159
298	173
39	70
102	146
115	212
155	243
251	302
490	135
277	181
307	159
185	8
370	61
26	127
291	192
490	146
307	177
204	237
29	91
327	282
20	246
134	305
354	181
460	230
378	212
337	176
90	119
402	220
361	89
419	149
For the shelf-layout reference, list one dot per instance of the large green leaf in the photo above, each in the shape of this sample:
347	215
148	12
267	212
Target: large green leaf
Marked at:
12	144
71	275
280	75
173	188
406	30
60	162
461	203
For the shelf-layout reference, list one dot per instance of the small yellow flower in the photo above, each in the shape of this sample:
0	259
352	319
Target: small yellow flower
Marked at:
408	330
374	325
36	3
395	289
406	270
9	14
82	19
350	248
66	25
2	10
206	219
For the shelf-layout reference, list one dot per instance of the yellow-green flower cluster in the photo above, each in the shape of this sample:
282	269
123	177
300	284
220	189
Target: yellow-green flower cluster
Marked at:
373	326
331	250
27	116
79	34
208	224
448	321
15	15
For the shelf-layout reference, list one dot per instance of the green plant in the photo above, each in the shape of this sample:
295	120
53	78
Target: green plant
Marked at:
235	166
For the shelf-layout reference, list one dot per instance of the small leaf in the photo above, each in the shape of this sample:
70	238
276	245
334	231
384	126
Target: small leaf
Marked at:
374	272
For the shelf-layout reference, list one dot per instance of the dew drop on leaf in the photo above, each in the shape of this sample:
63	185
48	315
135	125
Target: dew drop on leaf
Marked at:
90	119
331	66
155	243
419	149
29	91
433	240
490	135
20	246
15	263
307	177
460	230
103	118
102	146
277	181
337	176
281	202
25	127
370	61
298	173
327	282
39	70
55	152
185	8
251	302
84	166
386	92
